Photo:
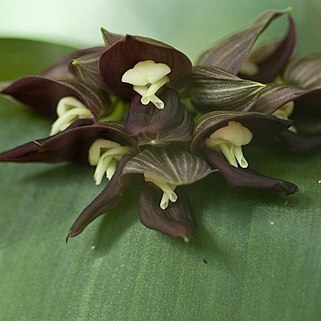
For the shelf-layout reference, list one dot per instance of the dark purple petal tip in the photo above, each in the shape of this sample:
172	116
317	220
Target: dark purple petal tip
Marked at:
175	221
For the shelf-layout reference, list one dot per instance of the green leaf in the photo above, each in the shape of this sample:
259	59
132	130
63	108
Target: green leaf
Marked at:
253	257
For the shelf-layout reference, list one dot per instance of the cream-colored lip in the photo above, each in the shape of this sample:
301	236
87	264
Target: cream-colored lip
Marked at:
229	140
147	77
105	155
168	191
69	109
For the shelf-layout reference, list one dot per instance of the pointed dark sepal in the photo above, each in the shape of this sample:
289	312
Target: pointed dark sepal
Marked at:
109	37
173	166
70	145
153	124
271	65
230	53
176	220
59	70
85	70
104	202
246	177
304	72
43	94
261	125
125	54
212	88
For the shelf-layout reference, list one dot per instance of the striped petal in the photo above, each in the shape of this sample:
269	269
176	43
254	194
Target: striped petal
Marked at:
214	89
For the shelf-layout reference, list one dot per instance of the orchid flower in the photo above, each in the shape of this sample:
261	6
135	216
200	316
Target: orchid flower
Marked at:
144	67
163	204
219	137
233	53
305	112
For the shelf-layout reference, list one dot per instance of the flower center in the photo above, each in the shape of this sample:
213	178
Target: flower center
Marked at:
285	112
105	155
68	110
147	77
168	190
229	140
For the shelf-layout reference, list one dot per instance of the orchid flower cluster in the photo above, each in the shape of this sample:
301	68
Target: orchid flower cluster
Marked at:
138	112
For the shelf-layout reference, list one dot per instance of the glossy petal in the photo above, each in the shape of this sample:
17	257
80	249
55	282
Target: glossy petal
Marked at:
43	95
70	145
304	72
125	54
214	89
104	202
176	220
173	166
230	53
246	177
153	124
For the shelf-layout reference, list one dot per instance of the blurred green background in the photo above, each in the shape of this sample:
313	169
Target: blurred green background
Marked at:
189	25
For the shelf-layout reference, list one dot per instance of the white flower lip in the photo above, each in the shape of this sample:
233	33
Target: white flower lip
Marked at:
105	155
68	110
147	77
168	191
229	140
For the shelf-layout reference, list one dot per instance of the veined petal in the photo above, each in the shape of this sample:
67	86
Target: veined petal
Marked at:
172	166
214	89
304	72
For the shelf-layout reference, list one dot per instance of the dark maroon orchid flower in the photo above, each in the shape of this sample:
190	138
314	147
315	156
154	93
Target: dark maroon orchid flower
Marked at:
163	205
233	53
62	101
219	137
144	66
303	106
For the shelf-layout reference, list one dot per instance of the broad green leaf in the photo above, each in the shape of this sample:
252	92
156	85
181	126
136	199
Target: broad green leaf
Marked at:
253	257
